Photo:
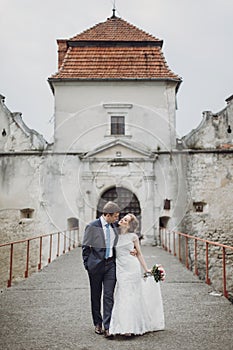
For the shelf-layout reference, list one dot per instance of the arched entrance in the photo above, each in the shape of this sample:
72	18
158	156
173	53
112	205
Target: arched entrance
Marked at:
126	200
163	223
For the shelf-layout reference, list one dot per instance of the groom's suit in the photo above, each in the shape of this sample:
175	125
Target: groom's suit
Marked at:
101	271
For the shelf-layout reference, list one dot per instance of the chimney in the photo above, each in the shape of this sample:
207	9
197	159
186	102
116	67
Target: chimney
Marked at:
62	49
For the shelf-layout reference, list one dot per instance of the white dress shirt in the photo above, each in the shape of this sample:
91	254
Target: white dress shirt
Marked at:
112	234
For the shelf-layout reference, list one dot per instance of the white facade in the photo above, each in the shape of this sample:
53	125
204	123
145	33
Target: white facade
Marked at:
83	110
82	126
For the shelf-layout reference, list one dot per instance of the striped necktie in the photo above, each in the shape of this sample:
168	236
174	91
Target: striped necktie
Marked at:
107	253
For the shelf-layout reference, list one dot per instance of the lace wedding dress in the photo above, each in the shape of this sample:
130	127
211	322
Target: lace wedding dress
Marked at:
138	306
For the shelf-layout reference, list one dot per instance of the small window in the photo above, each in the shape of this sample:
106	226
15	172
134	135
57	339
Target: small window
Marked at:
26	213
199	206
167	204
117	125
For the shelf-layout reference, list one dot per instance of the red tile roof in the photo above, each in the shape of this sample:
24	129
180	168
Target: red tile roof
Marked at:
115	62
114	29
113	49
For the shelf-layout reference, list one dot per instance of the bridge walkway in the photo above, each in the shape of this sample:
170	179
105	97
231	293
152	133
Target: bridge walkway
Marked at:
51	310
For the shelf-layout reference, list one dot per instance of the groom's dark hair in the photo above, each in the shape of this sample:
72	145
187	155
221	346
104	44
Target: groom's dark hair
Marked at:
111	208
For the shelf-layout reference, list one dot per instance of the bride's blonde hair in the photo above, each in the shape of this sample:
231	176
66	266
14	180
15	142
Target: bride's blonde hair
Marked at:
133	223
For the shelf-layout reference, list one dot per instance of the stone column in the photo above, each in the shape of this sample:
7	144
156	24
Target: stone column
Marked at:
149	219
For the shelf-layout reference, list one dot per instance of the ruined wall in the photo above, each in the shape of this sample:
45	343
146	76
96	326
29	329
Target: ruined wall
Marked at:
34	201
214	132
14	133
23	211
17	229
209	177
210	185
209	214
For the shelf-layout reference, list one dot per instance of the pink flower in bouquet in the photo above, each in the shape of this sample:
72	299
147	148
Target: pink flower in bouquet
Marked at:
161	272
157	272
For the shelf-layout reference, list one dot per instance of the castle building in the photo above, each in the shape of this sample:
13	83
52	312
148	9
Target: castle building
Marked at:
115	139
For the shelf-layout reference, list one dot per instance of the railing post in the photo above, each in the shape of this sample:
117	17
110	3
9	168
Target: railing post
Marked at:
50	248
64	249
169	242
225	293
40	254
11	265
74	238
179	249
27	259
58	244
78	237
186	252
165	239
174	243
69	247
195	257
207	263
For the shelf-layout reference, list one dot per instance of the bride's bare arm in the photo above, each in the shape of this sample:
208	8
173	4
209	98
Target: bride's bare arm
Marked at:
140	256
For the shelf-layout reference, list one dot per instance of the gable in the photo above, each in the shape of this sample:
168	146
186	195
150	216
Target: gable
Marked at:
119	150
16	136
214	131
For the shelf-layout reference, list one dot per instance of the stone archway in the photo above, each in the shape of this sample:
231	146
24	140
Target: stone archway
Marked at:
163	224
127	201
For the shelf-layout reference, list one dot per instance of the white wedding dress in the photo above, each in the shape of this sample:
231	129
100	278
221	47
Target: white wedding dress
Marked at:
138	306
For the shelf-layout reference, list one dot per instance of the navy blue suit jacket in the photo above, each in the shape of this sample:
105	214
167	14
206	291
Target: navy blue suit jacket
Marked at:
94	247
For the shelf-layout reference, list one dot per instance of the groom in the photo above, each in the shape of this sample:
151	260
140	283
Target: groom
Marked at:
98	251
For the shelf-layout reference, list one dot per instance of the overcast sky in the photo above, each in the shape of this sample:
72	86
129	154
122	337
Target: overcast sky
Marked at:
198	46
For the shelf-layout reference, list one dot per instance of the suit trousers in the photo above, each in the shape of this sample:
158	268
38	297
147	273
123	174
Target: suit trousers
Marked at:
103	281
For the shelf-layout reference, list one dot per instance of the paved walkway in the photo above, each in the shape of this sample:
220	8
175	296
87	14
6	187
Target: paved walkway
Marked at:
51	310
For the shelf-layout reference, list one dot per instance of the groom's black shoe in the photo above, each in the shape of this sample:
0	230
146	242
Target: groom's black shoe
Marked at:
107	334
98	329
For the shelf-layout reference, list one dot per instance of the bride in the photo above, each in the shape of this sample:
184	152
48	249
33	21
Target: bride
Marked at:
138	304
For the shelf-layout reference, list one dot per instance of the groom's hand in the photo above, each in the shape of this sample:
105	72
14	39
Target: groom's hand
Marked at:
133	252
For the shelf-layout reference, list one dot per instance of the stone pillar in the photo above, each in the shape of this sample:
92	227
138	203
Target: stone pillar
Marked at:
149	219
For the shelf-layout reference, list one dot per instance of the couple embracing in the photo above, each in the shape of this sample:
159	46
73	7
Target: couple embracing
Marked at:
112	257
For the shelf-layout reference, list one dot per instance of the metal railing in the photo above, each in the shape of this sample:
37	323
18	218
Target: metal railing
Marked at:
70	240
177	243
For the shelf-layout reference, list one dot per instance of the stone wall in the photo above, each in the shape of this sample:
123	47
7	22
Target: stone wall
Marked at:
209	211
15	229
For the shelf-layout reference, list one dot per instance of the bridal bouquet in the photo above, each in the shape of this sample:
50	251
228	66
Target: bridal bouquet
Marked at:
157	272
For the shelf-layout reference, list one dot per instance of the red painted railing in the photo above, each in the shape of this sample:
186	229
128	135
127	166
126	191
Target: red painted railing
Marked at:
70	240
170	240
